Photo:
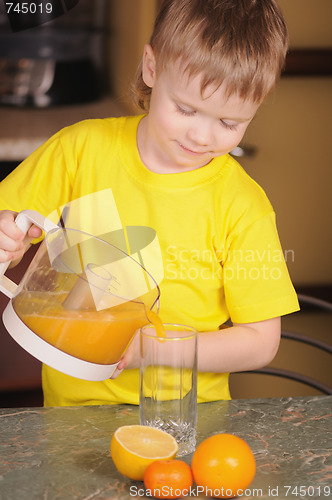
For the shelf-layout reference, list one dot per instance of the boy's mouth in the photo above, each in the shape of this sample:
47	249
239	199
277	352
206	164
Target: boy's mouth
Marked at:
190	151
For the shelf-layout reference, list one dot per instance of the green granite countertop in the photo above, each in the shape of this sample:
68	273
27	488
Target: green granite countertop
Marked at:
63	453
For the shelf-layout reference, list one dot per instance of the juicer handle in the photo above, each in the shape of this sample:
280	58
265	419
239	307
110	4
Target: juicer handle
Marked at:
23	220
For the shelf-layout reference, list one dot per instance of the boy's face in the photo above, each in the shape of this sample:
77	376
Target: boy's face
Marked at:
183	129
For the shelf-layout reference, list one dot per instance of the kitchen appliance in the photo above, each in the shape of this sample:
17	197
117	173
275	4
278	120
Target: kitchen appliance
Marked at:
54	60
80	301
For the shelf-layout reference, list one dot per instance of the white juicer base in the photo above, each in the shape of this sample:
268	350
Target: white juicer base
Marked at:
50	355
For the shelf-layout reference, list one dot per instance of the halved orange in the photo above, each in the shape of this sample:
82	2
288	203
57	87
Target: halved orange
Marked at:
134	447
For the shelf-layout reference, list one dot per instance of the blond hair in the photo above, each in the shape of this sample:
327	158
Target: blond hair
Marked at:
241	43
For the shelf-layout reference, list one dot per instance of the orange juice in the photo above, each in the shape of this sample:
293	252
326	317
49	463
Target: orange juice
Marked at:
95	336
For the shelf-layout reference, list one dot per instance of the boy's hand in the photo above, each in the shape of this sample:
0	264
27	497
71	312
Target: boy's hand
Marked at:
131	358
13	243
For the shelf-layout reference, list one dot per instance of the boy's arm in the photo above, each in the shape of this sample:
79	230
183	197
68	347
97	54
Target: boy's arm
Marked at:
244	346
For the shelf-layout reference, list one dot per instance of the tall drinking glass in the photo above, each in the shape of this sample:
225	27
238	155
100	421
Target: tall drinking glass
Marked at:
168	383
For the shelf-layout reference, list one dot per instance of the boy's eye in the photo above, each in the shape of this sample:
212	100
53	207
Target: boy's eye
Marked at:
229	126
185	111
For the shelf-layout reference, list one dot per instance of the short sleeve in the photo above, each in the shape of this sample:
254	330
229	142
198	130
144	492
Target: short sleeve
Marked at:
41	182
256	278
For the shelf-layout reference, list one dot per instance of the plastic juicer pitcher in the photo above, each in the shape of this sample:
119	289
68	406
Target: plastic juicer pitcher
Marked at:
80	301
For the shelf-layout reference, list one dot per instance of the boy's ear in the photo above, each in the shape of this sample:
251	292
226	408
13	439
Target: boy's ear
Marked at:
148	66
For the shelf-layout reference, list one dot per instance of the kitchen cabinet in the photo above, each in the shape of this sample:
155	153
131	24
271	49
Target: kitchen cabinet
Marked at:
309	23
130	25
292	162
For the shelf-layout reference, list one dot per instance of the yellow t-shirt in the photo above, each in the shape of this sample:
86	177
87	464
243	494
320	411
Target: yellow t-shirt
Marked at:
216	228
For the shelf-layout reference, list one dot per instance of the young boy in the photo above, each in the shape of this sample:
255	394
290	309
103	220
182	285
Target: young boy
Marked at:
203	76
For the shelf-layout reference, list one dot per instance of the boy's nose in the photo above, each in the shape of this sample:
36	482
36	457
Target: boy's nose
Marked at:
201	135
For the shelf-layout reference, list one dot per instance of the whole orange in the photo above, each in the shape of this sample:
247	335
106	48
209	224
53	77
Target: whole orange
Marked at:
168	479
223	465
